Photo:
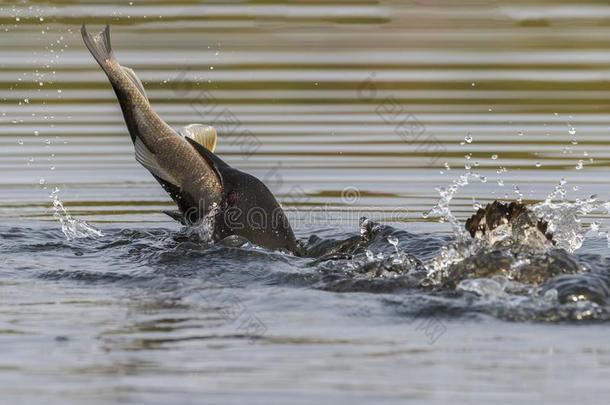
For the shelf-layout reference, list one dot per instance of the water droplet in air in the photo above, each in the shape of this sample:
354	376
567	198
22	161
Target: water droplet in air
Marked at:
20	142
538	164
572	130
579	165
520	133
574	141
494	157
468	138
42	181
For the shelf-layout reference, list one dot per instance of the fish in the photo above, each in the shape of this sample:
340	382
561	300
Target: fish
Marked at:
184	163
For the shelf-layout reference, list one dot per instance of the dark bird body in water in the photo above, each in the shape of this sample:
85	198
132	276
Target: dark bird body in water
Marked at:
498	213
202	185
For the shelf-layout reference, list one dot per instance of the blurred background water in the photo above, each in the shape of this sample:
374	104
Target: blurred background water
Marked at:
341	107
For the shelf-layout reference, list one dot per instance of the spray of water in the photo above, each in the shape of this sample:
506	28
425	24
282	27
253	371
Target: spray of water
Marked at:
564	219
204	228
72	228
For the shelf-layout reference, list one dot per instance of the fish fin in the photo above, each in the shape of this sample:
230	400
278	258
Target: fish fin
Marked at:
147	159
175	215
135	80
203	134
99	45
217	163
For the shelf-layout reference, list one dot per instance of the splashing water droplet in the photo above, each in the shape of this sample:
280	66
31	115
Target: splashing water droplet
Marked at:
517	191
468	138
579	165
72	228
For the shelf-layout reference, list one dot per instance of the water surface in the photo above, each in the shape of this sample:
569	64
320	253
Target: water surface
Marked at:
345	109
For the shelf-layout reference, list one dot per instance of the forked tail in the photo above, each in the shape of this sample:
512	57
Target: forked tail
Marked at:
99	46
122	78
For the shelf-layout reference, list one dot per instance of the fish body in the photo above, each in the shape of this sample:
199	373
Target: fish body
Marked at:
201	184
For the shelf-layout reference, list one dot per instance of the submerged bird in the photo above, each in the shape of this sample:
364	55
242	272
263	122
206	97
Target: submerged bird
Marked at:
499	214
201	184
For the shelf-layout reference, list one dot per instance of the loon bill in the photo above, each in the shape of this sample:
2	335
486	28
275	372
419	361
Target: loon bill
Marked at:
184	164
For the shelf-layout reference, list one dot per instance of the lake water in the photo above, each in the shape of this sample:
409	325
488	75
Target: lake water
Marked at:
346	109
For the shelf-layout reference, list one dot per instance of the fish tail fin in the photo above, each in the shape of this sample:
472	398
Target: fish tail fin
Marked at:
99	45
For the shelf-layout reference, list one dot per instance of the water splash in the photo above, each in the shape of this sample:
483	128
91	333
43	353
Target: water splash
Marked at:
443	210
564	220
204	228
71	227
564	216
